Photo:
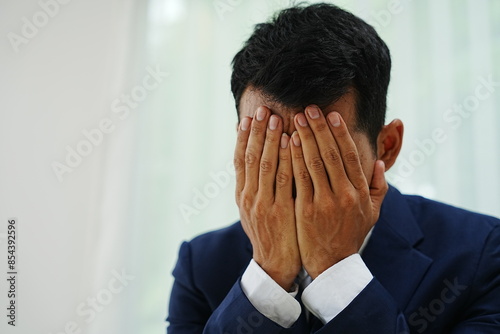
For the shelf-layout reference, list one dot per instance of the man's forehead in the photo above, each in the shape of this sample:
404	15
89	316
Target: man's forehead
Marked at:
253	98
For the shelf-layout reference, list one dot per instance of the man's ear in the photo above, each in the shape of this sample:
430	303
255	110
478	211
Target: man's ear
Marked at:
389	142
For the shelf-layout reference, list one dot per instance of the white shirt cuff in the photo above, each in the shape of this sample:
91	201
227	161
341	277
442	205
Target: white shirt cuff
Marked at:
336	288
268	297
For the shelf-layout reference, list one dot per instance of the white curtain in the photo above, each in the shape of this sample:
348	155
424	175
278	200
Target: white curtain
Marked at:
442	52
66	163
96	250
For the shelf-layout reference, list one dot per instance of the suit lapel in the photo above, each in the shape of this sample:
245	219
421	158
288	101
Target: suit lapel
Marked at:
390	253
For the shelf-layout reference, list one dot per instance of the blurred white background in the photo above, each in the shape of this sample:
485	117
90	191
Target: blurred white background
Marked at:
117	127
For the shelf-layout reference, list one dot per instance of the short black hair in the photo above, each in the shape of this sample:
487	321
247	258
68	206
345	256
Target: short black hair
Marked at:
313	55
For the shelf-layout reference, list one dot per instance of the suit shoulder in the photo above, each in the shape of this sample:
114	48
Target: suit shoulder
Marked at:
226	246
441	217
217	259
221	238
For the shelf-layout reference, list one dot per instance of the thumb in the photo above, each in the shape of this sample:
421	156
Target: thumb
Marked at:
378	186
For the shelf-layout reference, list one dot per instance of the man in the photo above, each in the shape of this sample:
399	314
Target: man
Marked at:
324	244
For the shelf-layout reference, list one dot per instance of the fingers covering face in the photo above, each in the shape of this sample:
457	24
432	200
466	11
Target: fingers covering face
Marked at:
239	154
269	159
284	174
308	155
328	146
348	151
301	174
321	155
262	157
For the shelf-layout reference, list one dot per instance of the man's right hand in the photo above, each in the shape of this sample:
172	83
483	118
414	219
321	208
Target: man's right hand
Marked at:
264	179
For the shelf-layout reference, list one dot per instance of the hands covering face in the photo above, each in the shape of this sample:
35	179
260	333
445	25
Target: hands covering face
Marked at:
334	207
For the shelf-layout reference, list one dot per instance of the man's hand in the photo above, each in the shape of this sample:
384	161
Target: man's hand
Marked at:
335	207
264	177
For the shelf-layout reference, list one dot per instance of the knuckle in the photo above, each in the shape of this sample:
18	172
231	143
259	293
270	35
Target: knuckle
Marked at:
298	155
239	164
351	157
303	174
284	157
246	202
347	200
256	130
250	158
306	135
279	212
332	156
364	193
316	164
308	212
241	138
270	138
260	208
282	179
321	126
341	132
265	165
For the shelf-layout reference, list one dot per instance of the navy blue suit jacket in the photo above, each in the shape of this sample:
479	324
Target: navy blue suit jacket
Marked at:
436	269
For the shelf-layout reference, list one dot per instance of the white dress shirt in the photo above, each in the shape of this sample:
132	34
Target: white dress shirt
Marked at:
325	297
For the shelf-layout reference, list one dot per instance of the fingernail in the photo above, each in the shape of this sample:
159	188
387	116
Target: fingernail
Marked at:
301	119
313	112
273	122
284	140
245	123
296	138
334	119
261	114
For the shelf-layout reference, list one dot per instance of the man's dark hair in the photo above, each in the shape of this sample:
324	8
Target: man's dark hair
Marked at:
314	55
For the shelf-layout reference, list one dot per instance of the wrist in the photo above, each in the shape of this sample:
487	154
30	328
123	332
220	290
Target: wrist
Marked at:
318	266
284	276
